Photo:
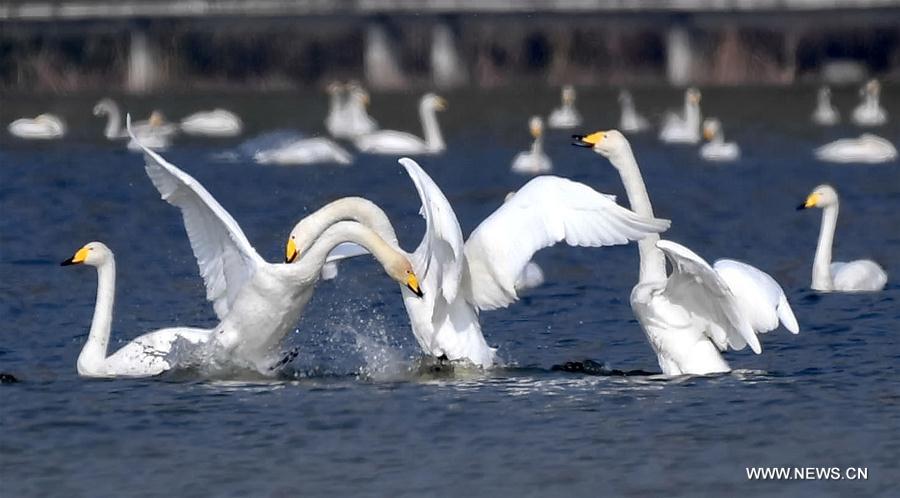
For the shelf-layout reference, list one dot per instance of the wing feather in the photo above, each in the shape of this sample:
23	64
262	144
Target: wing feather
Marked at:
759	297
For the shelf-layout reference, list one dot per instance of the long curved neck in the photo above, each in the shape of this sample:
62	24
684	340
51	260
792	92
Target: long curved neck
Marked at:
627	109
537	147
349	231
433	138
692	114
349	209
334	104
653	262
113	121
93	354
821	277
872	100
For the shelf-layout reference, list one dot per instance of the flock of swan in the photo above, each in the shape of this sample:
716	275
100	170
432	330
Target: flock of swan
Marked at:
690	314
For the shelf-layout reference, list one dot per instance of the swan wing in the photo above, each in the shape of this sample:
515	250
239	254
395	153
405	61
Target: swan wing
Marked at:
547	210
761	300
225	257
696	286
439	255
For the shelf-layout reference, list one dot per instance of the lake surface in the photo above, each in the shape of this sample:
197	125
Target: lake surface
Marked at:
358	417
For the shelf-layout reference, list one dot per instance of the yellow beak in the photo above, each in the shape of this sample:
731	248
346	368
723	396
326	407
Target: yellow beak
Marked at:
290	252
413	284
78	258
588	140
811	202
708	133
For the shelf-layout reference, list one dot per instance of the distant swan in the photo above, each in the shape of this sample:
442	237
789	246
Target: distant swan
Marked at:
347	114
825	113
717	149
855	276
685	128
305	151
397	142
867	148
534	162
42	127
869	112
144	356
565	116
214	123
698	310
629	120
155	133
460	279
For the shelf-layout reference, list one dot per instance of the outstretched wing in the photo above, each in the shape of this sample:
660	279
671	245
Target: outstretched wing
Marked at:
759	297
225	257
547	210
697	287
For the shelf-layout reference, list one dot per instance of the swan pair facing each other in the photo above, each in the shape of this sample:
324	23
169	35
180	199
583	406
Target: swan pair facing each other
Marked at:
716	148
347	114
42	127
535	161
856	276
684	129
698	310
565	116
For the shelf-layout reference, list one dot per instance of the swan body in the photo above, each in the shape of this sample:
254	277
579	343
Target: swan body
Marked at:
42	127
535	161
698	310
869	112
629	120
258	302
154	133
305	151
397	143
855	276
565	116
683	129
214	123
717	149
825	113
868	148
460	279
146	355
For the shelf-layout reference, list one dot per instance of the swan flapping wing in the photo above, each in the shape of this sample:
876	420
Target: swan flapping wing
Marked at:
440	253
759	297
547	210
225	257
697	287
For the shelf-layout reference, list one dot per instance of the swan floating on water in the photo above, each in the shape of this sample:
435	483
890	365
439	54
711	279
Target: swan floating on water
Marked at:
868	148
869	112
856	276
258	302
565	116
347	114
42	127
825	113
214	123
683	129
534	162
717	149
146	355
398	142
629	120
459	279
305	151
698	310
154	133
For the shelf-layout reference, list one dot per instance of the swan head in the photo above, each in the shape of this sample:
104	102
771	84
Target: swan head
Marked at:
433	101
93	254
624	97
401	270
568	94
824	93
358	93
711	128
692	95
334	88
821	197
156	119
103	107
536	125
606	143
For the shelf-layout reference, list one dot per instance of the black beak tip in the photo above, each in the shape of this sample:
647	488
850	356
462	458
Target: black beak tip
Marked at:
578	141
417	292
67	262
801	207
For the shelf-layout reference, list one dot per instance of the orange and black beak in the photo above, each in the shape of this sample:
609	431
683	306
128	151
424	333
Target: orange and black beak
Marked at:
77	259
588	141
412	283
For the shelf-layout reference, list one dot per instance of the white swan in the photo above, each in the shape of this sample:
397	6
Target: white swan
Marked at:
683	129
717	149
460	279
868	148
113	129
347	114
825	113
869	112
154	133
42	127
305	151
697	310
534	162
565	116
214	123
335	120
397	142
629	120
856	276
257	302
144	356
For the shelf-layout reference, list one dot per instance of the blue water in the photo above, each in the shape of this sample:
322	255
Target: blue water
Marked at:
358	417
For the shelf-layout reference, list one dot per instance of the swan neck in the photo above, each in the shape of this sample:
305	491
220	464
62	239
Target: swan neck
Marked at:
821	277
433	138
350	209
113	121
349	231
94	351
537	147
653	263
692	114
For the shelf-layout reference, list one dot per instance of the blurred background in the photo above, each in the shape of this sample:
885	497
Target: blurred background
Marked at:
137	46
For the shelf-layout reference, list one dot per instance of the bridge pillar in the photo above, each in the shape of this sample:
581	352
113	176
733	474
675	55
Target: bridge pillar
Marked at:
143	63
381	59
447	66
679	56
